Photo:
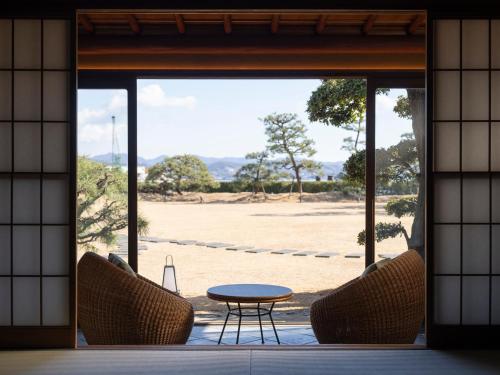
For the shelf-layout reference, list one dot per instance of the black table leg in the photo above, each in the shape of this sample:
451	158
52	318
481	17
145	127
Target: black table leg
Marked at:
260	323
272	323
239	324
225	322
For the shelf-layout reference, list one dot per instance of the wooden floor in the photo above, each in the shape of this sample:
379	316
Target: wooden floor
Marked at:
235	362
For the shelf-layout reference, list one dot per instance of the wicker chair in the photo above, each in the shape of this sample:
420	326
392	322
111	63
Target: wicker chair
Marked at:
385	307
115	307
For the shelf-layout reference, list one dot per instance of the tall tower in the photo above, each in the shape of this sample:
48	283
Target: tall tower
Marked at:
115	147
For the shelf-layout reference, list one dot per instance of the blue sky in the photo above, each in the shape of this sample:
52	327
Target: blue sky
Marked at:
214	117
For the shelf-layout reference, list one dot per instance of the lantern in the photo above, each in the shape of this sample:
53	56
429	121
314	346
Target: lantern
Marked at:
169	279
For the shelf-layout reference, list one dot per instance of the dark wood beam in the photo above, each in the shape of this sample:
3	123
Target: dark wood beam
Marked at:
227	24
275	23
416	23
181	26
134	24
367	27
321	24
85	22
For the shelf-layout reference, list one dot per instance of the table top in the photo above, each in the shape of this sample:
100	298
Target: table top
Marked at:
249	293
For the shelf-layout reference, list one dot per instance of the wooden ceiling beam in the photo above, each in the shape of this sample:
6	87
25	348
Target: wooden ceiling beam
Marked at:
275	23
181	26
416	23
368	26
227	24
86	24
321	24
134	24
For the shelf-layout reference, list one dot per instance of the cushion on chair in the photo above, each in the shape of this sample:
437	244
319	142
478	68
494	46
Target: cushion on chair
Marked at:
374	267
120	263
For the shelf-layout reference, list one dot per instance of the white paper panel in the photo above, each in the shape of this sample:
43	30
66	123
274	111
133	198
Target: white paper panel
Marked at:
476	200
55	96
27	147
4	301
5	147
26	203
475	300
447	200
476	249
495	146
27	104
447	299
55	201
475	44
447	146
4	200
55	301
5	95
4	250
495	249
475	138
475	96
27	44
447	96
26	251
55	149
26	301
447	249
495	44
495	300
55	44
495	200
5	44
55	251
447	44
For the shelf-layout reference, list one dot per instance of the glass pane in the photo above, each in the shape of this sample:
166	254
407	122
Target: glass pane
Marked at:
26	251
447	300
27	91
476	201
55	201
26	293
5	200
476	249
475	96
26	201
475	300
55	96
5	44
27	147
102	172
27	44
5	301
475	138
447	146
55	147
55	301
475	44
5	250
447	44
447	96
55	251
447	249
6	95
56	35
5	147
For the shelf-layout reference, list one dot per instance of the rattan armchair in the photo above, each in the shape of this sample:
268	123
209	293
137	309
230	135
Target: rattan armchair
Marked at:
385	307
116	308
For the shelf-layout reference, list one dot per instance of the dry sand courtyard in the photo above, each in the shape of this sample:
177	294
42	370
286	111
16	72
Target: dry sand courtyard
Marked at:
318	225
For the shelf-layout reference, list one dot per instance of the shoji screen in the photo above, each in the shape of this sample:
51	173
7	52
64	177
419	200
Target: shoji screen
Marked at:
36	107
465	217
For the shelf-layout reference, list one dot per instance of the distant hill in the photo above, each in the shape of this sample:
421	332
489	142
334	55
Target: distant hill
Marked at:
223	169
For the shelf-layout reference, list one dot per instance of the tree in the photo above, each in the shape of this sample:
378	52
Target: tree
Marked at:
102	207
181	173
286	135
259	171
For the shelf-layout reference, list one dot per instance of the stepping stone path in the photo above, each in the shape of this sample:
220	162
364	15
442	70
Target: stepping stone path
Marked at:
257	251
153	239
216	245
388	255
326	255
354	255
187	242
173	241
239	248
283	251
199	243
303	253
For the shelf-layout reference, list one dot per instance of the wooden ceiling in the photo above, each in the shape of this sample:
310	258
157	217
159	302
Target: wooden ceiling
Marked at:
146	40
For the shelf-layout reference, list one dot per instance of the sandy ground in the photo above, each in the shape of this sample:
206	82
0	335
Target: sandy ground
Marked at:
320	223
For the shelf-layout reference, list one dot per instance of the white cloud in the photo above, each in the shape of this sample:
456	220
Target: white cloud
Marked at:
98	132
118	101
154	96
386	102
